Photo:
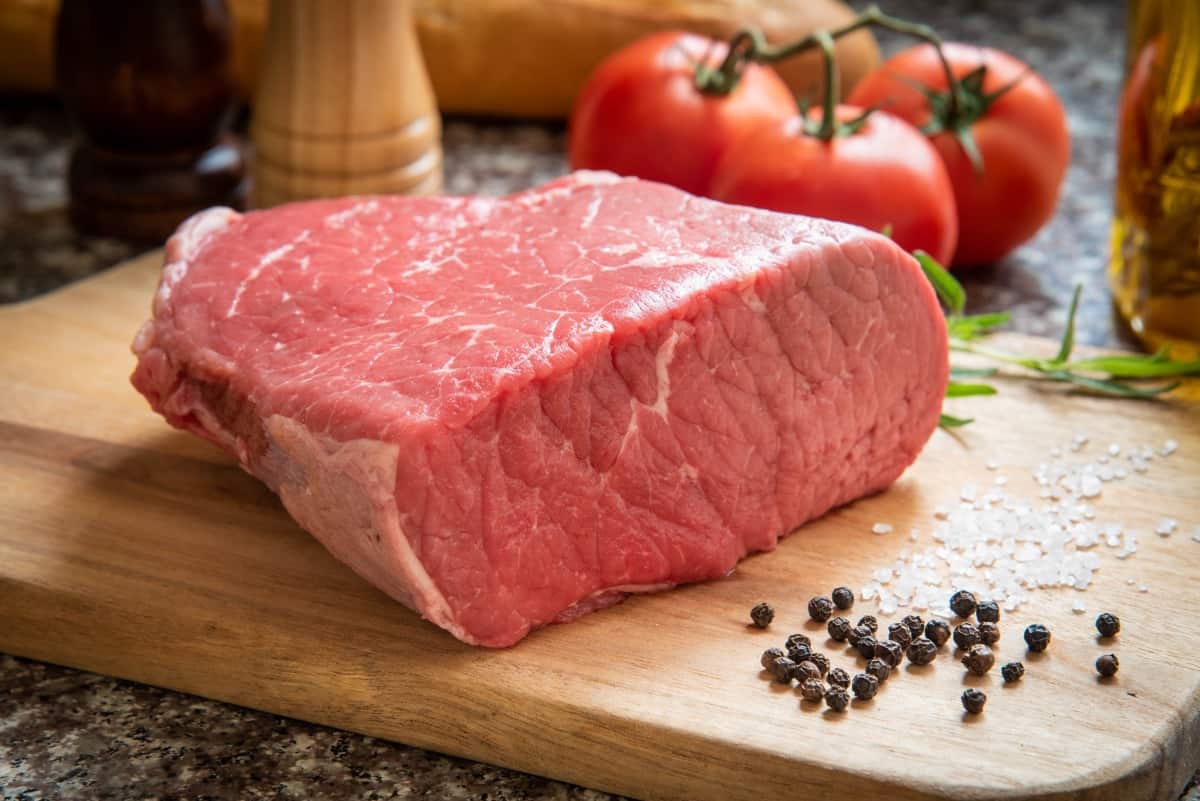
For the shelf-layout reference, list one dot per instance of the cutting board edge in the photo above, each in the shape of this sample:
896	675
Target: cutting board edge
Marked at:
1155	772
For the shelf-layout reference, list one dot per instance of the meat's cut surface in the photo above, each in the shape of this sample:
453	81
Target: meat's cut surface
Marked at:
506	412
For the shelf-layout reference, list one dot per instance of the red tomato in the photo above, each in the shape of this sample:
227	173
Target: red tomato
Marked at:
884	175
1021	135
641	114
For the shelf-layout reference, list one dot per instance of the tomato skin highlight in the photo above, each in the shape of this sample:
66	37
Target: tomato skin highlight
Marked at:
641	114
1022	138
885	175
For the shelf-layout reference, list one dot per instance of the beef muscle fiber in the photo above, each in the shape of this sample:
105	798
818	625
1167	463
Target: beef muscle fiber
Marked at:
505	412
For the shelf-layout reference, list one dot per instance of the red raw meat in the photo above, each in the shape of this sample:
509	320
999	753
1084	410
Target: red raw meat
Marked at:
505	412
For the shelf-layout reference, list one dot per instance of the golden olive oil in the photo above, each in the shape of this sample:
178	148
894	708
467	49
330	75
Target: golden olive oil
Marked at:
1155	269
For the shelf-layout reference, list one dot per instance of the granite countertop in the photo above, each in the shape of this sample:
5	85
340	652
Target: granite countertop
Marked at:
66	734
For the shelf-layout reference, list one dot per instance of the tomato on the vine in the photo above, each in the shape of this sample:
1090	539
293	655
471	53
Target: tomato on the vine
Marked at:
1004	110
881	174
641	113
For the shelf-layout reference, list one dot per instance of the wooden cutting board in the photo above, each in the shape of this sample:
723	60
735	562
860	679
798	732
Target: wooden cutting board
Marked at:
135	550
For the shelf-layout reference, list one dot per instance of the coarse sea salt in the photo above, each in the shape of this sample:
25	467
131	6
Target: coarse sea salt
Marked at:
1166	527
881	528
1008	546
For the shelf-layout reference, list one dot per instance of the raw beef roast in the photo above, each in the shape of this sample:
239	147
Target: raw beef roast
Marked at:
508	412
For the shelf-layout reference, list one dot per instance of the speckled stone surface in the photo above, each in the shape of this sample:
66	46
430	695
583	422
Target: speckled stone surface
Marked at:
66	734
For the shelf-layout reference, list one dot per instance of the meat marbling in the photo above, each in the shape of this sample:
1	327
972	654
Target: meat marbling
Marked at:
507	412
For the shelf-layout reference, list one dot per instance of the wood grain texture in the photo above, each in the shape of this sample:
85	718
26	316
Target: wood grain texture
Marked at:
344	104
138	551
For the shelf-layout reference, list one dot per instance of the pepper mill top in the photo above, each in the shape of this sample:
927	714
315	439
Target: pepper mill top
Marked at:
344	104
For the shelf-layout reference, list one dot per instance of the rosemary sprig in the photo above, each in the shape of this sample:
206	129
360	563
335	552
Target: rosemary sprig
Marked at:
1103	375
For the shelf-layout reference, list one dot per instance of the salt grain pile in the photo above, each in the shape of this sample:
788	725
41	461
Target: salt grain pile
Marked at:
1004	547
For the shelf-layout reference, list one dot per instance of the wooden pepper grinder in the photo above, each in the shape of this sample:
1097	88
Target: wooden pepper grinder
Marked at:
344	105
148	84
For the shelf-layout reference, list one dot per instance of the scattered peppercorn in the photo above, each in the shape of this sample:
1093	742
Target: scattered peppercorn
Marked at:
870	622
1037	637
989	633
866	646
837	699
987	612
843	597
762	615
798	652
979	659
1109	625
864	686
922	651
1108	665
963	603
973	701
821	661
839	629
879	669
797	639
900	633
889	651
820	608
1013	671
916	626
806	670
839	677
966	635
783	669
769	656
812	689
938	631
857	633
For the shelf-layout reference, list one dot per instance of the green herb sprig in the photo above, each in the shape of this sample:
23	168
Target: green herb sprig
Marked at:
1103	375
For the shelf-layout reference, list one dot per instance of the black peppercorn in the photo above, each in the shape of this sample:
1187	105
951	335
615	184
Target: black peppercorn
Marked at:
879	669
843	598
1108	665
989	633
762	615
857	633
963	603
821	661
973	701
1013	671
889	651
922	651
798	652
769	656
870	622
797	639
966	635
812	689
1037	637
938	631
916	626
839	629
979	659
837	698
783	669
987	612
820	608
839	677
806	670
1108	625
900	633
866	646
864	686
